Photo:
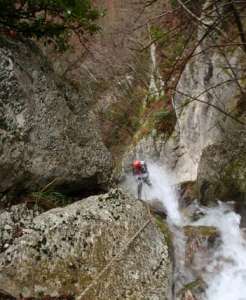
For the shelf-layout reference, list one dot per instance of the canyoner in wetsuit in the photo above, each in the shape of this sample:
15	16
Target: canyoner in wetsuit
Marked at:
140	171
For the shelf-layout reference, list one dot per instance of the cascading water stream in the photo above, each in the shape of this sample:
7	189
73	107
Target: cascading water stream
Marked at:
225	270
156	83
226	273
163	190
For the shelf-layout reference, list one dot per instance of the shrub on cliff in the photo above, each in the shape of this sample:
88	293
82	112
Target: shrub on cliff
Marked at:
54	19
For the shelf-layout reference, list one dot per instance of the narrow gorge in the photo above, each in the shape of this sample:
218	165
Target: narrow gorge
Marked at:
87	88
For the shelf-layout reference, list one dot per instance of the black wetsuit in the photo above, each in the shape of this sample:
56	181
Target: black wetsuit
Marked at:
142	176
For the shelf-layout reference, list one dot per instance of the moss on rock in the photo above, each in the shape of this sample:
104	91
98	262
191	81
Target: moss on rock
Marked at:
202	231
162	225
63	250
222	170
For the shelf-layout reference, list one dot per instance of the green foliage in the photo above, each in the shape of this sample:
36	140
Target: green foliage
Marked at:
174	3
50	199
164	121
55	19
162	115
156	33
122	119
192	286
171	44
162	225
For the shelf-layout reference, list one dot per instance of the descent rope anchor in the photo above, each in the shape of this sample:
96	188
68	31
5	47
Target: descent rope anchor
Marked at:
130	241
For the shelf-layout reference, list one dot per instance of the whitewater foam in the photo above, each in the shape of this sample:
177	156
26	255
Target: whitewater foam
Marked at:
226	274
224	271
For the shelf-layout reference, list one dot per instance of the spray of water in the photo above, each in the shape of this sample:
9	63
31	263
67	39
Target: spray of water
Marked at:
162	191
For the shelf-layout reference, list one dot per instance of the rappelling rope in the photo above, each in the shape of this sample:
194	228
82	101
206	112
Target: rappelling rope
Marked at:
130	241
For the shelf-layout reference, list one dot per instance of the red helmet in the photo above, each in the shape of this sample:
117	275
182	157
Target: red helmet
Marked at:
137	164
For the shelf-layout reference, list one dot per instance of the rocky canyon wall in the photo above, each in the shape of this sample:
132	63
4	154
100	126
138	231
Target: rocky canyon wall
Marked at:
208	103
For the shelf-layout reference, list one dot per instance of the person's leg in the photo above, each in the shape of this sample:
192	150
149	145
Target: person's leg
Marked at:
140	185
147	181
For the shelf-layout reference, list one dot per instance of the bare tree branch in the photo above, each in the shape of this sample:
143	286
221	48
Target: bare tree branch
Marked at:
239	25
208	104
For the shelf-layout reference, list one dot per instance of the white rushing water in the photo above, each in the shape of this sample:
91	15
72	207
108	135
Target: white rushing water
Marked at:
156	85
224	271
161	190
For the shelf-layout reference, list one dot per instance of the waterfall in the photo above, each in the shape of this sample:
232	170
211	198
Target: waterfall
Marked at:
163	190
161	193
156	84
224	271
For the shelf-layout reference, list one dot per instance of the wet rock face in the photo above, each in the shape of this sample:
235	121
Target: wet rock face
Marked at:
198	239
200	242
221	173
46	128
64	249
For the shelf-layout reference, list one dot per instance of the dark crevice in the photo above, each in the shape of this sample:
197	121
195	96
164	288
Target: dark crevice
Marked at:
5	296
58	194
81	188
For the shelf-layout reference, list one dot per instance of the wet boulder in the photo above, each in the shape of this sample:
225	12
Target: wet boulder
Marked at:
222	171
200	242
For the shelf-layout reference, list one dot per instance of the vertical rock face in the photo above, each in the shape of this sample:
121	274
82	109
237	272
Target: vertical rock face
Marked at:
60	252
47	130
207	95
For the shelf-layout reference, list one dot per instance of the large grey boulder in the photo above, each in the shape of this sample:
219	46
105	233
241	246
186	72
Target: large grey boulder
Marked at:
47	130
62	251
